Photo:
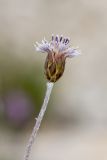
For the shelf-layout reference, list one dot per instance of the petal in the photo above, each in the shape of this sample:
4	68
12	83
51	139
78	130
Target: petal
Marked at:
61	37
57	38
52	37
43	47
72	52
62	47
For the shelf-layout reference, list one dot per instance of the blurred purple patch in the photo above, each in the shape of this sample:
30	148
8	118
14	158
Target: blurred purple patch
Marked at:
18	107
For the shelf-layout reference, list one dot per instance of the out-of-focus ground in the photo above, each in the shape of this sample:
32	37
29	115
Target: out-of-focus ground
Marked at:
75	125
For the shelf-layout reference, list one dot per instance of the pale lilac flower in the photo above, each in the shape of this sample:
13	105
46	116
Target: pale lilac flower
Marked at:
58	50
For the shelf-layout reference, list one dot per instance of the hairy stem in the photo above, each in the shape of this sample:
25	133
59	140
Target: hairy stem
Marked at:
38	120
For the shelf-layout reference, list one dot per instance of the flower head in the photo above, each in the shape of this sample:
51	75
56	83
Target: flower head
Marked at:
58	50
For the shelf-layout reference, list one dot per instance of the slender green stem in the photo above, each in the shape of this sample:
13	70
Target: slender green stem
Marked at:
38	120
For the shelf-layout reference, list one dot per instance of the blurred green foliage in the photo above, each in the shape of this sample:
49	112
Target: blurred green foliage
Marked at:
17	75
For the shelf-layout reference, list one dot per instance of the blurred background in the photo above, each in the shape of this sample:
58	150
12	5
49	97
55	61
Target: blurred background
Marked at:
75	124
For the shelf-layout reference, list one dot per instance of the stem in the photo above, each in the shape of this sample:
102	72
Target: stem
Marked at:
38	120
